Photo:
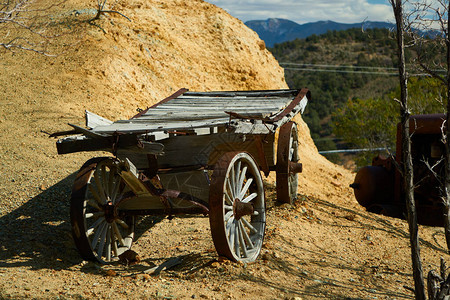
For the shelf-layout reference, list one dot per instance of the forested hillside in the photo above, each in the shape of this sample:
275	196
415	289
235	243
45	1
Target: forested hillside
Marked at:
337	66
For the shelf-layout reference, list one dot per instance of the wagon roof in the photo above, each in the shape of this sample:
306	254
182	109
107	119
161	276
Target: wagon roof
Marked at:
185	110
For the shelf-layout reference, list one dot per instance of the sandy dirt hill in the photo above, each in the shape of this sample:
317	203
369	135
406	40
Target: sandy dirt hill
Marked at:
324	246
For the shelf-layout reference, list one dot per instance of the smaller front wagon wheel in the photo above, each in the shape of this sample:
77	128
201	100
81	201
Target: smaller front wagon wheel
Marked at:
237	209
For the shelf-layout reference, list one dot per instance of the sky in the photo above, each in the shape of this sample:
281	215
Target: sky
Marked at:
305	11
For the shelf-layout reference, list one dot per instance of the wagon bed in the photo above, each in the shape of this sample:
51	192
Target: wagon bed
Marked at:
195	110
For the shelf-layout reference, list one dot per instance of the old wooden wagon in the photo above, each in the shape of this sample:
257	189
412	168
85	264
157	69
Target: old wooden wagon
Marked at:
191	153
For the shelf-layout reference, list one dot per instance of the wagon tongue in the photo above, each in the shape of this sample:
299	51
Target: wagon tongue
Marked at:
241	209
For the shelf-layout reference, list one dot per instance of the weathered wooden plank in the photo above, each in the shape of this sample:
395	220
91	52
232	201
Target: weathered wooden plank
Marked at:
243	93
73	144
250	128
207	114
190	116
138	127
93	120
85	131
268	107
226	104
235	99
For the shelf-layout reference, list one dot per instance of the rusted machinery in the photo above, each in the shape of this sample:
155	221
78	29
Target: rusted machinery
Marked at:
379	187
191	153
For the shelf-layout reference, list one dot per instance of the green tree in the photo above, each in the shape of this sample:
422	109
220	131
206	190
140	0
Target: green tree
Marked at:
372	123
366	123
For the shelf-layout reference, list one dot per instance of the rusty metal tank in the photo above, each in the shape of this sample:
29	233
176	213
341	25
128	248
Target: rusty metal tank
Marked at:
379	187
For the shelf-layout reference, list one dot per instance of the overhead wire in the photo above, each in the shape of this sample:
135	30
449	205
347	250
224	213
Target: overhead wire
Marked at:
350	69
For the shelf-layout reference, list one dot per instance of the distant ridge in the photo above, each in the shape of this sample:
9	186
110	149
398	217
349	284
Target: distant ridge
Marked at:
274	31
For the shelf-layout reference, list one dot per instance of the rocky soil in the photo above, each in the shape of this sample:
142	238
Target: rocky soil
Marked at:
323	246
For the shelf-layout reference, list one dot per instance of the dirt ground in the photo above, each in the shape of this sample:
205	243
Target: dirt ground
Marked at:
323	246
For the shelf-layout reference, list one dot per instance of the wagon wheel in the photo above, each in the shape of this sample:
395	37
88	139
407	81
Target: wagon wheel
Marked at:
287	163
98	231
237	211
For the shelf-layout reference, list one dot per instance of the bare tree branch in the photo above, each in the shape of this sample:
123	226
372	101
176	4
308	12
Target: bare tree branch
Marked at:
27	26
101	11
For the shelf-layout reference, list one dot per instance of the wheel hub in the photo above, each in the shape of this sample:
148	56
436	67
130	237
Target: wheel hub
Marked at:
110	212
241	209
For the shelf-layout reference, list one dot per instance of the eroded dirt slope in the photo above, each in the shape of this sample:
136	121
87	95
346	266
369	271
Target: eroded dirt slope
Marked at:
323	246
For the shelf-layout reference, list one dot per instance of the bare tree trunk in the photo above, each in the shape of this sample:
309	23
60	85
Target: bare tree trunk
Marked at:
447	145
406	155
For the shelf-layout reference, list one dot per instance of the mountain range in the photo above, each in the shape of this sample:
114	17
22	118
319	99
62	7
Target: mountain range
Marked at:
274	31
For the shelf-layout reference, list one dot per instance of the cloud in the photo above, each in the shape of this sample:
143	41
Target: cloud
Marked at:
348	11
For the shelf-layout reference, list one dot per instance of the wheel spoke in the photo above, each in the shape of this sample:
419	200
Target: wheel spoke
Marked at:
232	233
246	237
94	204
230	188
236	177
291	149
228	207
99	185
97	234
120	195
108	244
114	244
241	239
236	241
95	195
242	178
99	176
115	190
245	188
249	226
250	197
295	151
122	223
128	240
118	234
94	214
228	198
230	181
103	240
111	181
105	178
94	225
228	216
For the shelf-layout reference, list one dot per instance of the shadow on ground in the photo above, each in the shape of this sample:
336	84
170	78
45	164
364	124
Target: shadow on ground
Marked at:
38	233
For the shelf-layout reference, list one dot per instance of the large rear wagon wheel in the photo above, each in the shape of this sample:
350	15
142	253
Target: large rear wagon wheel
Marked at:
287	163
98	230
237	209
